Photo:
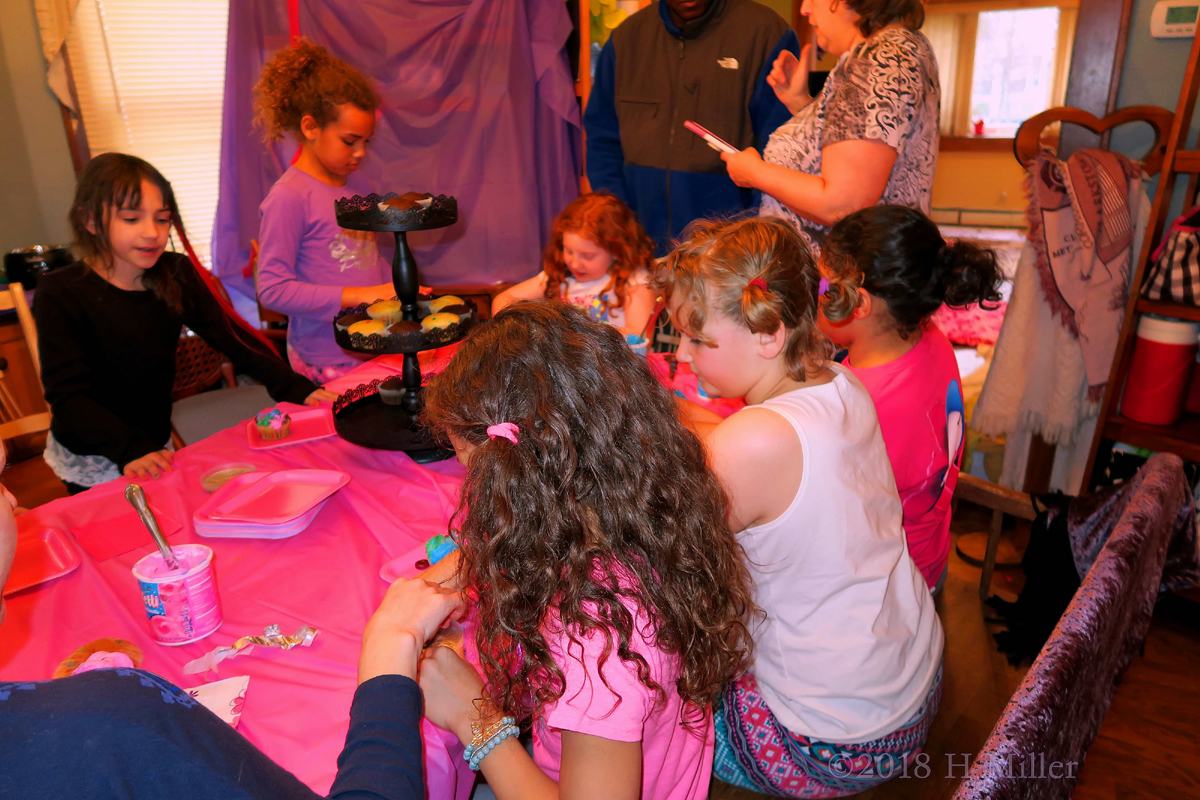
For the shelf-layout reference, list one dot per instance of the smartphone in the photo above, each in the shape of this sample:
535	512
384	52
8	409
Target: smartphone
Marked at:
714	141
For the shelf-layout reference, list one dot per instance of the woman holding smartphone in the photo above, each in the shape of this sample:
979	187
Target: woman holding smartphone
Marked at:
869	136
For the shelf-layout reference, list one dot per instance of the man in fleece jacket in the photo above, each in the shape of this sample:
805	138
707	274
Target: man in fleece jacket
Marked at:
678	60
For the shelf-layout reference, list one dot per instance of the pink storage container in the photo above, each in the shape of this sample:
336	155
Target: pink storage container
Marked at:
182	605
1164	356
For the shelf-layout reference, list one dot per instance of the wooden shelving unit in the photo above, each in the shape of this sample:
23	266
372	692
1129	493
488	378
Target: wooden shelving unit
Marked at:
1183	438
1176	310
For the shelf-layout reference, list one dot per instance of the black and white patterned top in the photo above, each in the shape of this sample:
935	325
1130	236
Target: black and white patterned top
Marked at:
885	89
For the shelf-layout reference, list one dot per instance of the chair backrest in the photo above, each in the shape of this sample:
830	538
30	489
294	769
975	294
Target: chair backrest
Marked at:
1040	741
13	299
664	336
198	367
1028	139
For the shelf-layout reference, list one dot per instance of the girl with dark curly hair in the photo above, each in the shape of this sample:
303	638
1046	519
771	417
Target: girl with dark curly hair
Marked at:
612	599
846	675
598	258
308	267
889	270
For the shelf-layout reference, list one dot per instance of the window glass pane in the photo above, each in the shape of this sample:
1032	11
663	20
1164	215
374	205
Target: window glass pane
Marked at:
1015	56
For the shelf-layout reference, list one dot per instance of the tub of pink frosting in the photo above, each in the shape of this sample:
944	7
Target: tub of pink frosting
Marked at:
182	605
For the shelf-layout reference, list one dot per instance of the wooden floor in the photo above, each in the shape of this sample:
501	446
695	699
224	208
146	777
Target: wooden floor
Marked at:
1148	747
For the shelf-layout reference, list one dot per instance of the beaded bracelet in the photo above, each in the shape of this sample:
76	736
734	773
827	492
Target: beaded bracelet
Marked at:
483	742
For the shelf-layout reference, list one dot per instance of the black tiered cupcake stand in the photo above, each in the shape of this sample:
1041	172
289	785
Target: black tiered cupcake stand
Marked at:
360	416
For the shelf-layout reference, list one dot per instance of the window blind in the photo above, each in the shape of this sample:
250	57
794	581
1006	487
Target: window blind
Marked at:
150	77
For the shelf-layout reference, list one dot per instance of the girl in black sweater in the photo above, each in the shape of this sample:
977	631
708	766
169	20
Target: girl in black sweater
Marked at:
109	324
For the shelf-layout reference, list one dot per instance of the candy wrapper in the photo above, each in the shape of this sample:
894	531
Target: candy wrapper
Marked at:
271	637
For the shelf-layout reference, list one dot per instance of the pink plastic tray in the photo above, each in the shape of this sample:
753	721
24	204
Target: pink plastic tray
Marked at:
42	555
280	496
309	424
208	527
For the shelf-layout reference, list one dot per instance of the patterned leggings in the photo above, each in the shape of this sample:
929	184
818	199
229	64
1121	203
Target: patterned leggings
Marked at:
756	752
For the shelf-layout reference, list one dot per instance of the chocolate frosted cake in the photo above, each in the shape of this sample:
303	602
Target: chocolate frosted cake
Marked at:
409	211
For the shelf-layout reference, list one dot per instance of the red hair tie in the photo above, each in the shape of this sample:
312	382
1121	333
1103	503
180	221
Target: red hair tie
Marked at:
760	283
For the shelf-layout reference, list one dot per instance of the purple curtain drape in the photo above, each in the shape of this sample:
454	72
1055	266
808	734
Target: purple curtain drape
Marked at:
478	102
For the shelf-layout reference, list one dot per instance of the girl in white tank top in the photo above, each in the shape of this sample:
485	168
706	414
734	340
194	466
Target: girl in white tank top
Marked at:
846	675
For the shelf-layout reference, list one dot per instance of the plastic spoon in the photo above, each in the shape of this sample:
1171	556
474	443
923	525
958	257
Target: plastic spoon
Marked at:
137	499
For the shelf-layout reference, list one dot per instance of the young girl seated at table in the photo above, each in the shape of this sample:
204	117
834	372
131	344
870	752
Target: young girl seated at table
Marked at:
308	267
109	325
889	270
598	258
846	676
611	598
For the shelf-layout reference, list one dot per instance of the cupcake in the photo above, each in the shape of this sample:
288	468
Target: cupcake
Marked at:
391	390
459	309
367	327
435	321
406	201
440	303
404	326
388	311
273	424
346	320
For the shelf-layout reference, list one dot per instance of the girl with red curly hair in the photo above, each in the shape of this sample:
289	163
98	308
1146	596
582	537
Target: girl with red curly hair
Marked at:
598	258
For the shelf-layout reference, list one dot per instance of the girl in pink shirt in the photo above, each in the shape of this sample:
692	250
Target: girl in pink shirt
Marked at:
611	596
889	270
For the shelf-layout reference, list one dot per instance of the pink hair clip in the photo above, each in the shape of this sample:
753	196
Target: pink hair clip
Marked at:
505	430
760	283
823	286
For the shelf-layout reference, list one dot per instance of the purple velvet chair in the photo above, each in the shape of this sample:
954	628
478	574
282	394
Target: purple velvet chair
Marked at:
1039	743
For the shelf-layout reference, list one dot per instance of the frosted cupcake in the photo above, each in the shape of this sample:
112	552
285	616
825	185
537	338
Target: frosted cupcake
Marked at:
391	390
273	424
435	321
441	303
386	311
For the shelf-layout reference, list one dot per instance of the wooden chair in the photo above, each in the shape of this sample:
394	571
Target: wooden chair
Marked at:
198	367
1002	501
1026	145
198	412
13	299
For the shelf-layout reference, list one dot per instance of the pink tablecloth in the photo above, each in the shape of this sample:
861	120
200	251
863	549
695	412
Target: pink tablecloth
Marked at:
298	702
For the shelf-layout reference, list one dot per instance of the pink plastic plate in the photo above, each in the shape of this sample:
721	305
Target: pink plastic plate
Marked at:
309	424
280	496
42	555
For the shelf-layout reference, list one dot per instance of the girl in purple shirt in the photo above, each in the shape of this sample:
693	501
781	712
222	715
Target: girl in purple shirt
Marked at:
308	267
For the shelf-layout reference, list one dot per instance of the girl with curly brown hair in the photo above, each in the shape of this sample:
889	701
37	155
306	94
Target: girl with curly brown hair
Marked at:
308	267
598	258
612	599
846	676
